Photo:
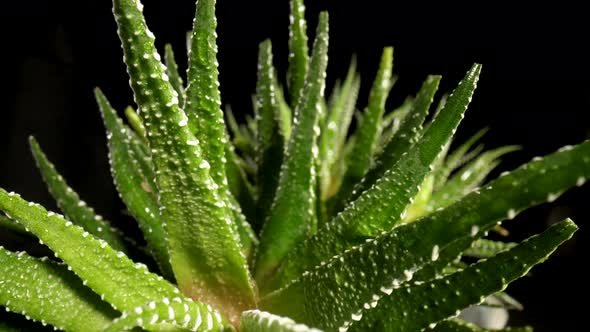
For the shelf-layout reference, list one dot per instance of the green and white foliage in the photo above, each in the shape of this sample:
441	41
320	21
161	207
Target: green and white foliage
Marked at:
291	221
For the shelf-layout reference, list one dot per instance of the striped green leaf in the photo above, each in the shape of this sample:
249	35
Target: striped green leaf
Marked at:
183	314
203	241
413	307
269	141
294	203
108	272
298	52
262	321
48	293
383	205
133	176
70	203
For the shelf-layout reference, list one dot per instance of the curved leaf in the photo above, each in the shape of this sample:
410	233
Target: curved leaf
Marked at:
48	293
177	312
262	321
108	272
70	203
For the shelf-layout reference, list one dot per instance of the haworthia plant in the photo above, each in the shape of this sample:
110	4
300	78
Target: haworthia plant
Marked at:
289	222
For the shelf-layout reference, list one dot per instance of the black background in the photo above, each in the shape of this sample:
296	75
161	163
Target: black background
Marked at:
534	91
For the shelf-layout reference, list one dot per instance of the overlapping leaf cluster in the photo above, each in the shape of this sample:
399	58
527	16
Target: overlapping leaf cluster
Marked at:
289	222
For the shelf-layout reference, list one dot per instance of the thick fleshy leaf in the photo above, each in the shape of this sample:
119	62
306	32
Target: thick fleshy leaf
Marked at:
369	129
108	272
483	248
335	128
238	184
203	241
458	325
269	141
294	203
133	177
298	52
7	224
173	74
243	141
135	123
383	205
285	114
456	159
203	100
468	178
364	297
541	180
48	293
413	307
262	321
70	203
406	136
184	314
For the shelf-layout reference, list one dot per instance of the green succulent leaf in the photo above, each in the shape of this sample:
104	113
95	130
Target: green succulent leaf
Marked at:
262	321
361	300
298	52
285	114
408	134
133	176
203	240
536	182
239	185
203	100
108	272
334	130
8	224
383	205
369	129
48	293
176	312
135	123
269	145
413	307
483	248
468	178
458	325
173	74
70	203
456	159
294	203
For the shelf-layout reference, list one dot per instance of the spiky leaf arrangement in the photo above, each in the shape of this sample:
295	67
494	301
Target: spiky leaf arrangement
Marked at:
286	223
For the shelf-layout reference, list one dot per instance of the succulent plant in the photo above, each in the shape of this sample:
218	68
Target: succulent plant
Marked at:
290	222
